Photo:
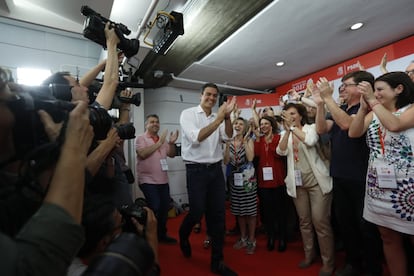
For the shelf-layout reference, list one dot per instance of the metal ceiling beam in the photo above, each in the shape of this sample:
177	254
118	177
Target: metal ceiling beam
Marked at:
217	20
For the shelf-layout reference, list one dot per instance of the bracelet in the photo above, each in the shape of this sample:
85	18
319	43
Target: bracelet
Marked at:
125	109
374	104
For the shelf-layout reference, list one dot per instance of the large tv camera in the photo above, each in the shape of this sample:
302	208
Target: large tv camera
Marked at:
135	99
28	131
94	29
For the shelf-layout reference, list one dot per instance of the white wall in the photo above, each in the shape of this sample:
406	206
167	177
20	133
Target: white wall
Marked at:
28	45
167	103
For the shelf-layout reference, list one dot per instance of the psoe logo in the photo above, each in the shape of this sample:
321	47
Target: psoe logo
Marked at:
353	67
340	71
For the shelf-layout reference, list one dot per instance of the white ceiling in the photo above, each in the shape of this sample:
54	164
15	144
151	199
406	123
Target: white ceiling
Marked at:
307	35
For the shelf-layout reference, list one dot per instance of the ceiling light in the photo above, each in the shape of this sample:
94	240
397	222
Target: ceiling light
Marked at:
280	63
357	26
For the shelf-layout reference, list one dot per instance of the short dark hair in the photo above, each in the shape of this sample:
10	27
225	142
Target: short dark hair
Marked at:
151	116
57	78
360	76
394	79
209	84
97	221
272	121
301	110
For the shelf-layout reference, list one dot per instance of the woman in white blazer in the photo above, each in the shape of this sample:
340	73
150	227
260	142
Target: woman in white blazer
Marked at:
310	185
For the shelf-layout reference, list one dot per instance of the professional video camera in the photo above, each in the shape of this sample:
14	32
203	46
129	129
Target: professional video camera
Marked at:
135	210
28	131
94	29
135	99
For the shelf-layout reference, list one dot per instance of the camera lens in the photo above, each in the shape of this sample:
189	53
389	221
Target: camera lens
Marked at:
126	131
100	121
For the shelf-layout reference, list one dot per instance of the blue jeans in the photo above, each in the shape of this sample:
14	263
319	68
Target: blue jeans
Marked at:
206	195
158	199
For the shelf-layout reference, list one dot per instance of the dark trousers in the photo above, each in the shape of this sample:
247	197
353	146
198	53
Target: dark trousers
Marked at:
158	199
362	242
273	205
206	195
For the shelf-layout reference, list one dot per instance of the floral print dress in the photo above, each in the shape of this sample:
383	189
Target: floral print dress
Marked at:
390	207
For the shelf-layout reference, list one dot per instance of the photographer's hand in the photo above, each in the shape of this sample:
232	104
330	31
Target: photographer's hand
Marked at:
111	77
125	107
101	152
52	129
67	185
150	231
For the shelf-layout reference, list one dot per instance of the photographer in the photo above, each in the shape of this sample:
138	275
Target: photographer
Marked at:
50	239
101	164
106	163
107	91
102	224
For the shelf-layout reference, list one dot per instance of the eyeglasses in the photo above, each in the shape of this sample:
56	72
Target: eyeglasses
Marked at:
345	85
409	72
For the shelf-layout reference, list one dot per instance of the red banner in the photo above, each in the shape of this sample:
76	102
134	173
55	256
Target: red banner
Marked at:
394	51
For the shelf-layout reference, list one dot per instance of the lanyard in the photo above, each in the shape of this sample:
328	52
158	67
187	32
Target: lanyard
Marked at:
295	147
267	149
382	135
236	154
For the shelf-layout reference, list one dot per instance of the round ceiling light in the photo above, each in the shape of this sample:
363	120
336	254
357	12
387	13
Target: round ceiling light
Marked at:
357	26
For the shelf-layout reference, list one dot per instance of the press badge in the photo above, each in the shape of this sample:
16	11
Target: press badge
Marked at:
386	176
238	179
164	165
298	178
267	173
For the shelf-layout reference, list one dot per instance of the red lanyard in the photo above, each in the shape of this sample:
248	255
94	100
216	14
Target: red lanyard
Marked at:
382	138
267	149
236	155
295	147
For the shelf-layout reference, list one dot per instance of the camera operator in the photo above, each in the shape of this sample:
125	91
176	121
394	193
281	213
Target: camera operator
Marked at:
110	83
101	164
50	238
102	224
106	163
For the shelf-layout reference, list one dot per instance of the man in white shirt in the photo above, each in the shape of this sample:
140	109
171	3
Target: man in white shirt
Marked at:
202	134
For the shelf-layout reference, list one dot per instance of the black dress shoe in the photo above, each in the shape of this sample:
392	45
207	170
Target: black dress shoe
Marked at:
270	244
185	247
282	246
167	240
221	269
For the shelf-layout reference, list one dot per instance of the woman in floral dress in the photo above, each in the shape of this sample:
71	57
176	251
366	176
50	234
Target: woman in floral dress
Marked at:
387	115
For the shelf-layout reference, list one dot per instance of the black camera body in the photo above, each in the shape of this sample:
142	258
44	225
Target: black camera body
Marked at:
94	29
135	210
126	131
28	130
135	99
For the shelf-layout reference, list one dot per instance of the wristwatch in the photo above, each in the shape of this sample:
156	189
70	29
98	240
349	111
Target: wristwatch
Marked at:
292	128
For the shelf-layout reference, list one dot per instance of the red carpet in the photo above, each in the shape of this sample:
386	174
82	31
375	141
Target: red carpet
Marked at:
263	262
